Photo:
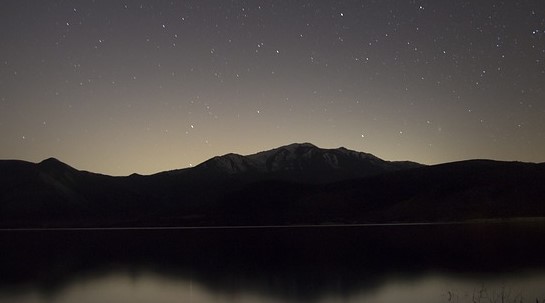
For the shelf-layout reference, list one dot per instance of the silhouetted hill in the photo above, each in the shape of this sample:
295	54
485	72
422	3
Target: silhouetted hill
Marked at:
52	191
293	184
459	191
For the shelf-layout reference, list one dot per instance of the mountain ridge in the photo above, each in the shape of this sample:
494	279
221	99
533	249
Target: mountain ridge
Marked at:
298	157
292	184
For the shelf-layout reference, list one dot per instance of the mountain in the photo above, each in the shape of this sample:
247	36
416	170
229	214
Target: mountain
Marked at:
292	184
458	191
304	163
51	191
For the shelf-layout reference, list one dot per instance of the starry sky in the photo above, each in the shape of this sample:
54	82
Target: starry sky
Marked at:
122	86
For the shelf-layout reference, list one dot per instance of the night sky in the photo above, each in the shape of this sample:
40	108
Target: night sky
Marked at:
118	87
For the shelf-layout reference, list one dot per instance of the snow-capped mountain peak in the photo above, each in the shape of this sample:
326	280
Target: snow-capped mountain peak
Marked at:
301	159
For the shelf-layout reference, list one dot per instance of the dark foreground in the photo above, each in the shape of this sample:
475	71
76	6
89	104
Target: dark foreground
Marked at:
307	264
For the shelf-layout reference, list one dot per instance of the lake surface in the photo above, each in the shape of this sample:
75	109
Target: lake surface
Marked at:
414	263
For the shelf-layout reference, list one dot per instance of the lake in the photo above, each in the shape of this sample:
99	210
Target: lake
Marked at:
401	263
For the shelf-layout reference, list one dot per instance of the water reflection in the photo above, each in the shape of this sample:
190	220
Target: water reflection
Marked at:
375	264
149	287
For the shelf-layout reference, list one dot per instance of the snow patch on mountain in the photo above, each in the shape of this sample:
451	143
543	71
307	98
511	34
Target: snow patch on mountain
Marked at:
301	157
